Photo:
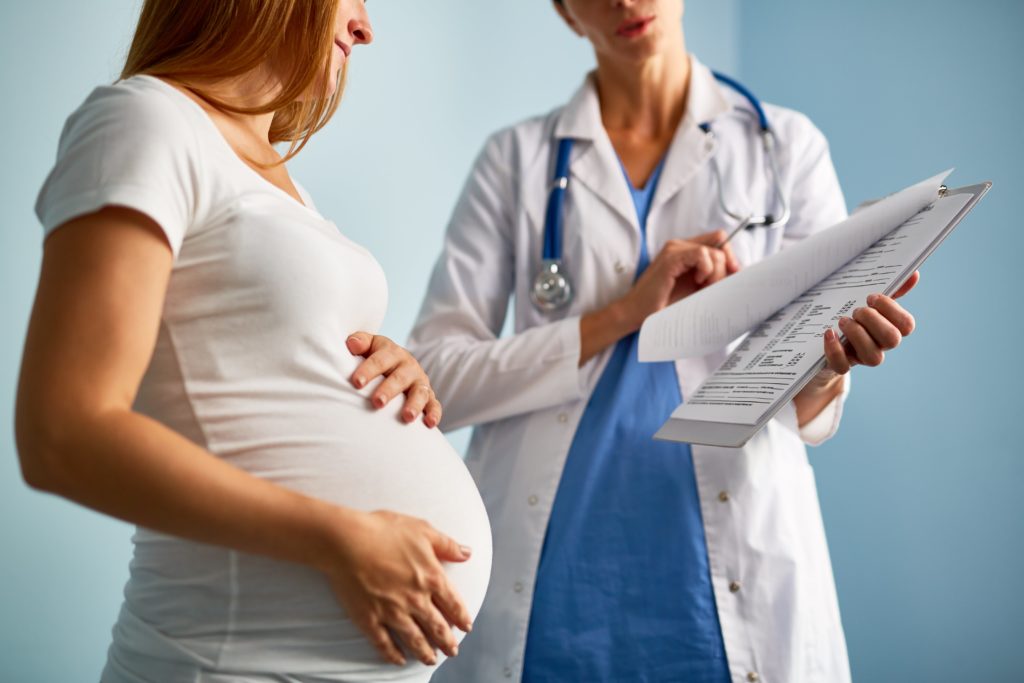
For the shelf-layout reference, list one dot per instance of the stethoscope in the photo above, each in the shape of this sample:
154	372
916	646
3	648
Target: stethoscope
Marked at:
553	288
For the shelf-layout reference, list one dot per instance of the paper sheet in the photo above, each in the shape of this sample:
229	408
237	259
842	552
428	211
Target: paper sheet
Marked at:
711	318
786	346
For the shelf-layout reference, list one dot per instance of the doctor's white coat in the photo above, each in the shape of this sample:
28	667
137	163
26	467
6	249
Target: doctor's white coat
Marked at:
769	561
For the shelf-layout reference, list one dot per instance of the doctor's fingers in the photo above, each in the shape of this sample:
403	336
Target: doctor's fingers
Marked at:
835	353
893	312
910	283
884	333
713	239
708	264
722	261
683	258
863	346
721	266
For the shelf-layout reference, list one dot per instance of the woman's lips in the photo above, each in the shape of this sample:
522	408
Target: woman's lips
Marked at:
631	28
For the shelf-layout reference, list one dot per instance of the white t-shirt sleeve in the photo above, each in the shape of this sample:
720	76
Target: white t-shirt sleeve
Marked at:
125	147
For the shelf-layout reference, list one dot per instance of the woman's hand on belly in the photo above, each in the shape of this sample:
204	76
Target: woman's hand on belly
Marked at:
403	375
391	582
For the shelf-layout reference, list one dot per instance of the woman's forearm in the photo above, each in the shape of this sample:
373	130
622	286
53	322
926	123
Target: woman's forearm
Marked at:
126	465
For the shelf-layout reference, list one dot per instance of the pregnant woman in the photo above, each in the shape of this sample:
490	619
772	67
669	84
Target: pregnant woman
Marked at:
201	362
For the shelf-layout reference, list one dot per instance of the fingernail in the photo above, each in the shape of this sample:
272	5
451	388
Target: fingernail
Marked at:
872	300
358	381
466	550
843	322
830	335
379	401
408	416
469	627
455	651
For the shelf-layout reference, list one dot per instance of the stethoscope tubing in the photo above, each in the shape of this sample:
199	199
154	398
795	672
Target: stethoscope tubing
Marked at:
556	199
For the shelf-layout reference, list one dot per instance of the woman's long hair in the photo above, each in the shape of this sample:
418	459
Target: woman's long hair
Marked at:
195	41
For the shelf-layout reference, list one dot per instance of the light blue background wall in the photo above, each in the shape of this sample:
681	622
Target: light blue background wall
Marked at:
921	488
918	490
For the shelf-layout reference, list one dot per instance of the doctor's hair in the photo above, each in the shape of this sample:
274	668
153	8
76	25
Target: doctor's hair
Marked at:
195	41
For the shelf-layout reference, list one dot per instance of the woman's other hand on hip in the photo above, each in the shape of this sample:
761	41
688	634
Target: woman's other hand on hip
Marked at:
390	580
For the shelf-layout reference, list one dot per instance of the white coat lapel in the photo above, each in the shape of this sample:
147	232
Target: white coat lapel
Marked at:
691	148
594	163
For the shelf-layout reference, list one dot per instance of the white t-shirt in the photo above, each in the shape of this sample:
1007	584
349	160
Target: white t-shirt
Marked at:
251	364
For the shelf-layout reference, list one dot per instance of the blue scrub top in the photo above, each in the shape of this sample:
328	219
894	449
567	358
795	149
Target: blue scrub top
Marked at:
623	590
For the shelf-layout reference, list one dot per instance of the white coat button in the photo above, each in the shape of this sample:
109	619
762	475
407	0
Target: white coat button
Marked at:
723	496
734	586
563	417
753	677
518	588
532	500
508	672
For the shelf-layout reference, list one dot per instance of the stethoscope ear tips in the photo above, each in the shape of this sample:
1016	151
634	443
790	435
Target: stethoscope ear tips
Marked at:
552	288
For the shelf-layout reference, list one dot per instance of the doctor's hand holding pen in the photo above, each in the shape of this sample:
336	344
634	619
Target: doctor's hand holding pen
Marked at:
681	268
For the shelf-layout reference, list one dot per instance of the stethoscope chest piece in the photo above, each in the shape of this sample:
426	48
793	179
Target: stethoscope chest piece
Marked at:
552	288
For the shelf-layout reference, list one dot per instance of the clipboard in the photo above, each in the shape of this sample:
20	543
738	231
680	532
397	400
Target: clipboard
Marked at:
736	435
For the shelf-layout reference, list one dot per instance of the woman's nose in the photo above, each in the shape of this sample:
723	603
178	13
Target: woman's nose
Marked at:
360	30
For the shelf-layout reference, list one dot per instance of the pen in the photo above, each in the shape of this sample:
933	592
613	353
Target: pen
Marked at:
742	224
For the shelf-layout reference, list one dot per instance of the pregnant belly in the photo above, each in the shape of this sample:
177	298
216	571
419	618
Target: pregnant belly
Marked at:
278	616
374	461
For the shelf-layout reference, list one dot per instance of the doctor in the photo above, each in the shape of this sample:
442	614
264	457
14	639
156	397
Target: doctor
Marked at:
617	557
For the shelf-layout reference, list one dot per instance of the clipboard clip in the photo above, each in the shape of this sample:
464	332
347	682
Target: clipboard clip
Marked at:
943	190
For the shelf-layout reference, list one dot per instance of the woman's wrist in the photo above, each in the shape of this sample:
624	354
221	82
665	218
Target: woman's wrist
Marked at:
332	527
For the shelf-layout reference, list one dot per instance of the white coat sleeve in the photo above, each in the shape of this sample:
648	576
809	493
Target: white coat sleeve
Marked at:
816	203
477	376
